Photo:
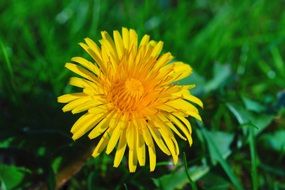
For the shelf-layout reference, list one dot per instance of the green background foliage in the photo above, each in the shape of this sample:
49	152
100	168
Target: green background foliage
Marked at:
236	49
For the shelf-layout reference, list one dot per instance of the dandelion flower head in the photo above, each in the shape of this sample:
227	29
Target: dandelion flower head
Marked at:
131	98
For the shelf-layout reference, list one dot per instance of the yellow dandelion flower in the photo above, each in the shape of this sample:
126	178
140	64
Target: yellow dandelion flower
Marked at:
132	98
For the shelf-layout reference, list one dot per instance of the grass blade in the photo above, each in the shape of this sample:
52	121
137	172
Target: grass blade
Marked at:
7	60
278	61
253	159
193	185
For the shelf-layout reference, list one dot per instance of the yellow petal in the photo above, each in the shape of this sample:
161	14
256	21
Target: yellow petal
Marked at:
126	38
157	138
147	136
157	49
152	158
140	147
113	140
85	106
110	45
70	97
181	127
179	70
98	109
151	147
185	106
144	40
163	60
186	95
167	137
78	82
93	46
87	85
132	160
176	148
108	57
75	103
119	43
81	71
133	40
87	125
171	126
115	136
167	108
95	56
185	121
131	141
100	127
102	144
131	136
120	149
149	49
87	64
80	122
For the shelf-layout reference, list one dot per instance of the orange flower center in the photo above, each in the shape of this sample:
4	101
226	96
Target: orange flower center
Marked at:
127	94
134	87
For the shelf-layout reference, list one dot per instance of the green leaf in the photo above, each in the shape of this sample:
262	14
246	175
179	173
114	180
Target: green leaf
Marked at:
213	181
275	141
2	185
260	121
6	142
224	141
178	179
56	163
239	112
252	105
12	176
217	155
221	74
245	117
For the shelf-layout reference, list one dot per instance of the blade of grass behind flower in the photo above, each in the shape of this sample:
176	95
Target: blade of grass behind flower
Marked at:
193	185
278	61
253	159
7	60
11	85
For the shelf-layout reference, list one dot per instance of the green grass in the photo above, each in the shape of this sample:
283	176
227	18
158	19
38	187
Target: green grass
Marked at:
236	49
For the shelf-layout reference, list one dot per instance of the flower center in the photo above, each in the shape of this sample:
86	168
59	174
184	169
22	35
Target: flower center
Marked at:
134	87
126	95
